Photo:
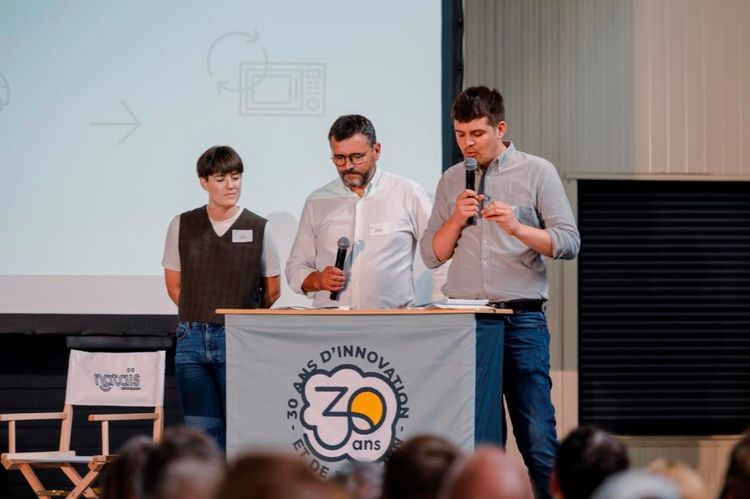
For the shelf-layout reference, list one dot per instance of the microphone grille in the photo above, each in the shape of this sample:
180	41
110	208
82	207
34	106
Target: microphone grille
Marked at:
343	243
470	164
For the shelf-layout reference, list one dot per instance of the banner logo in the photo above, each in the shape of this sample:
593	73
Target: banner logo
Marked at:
345	411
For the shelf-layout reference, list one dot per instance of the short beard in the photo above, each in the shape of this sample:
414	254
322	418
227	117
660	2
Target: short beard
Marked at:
362	179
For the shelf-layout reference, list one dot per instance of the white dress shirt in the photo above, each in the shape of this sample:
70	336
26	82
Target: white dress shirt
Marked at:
383	226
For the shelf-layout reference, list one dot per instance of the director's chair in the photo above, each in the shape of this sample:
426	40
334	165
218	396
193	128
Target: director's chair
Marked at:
132	379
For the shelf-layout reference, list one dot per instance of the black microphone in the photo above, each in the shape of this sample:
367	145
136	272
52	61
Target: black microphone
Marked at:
471	175
340	257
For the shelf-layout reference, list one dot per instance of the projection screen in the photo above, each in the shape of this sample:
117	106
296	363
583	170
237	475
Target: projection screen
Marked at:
106	105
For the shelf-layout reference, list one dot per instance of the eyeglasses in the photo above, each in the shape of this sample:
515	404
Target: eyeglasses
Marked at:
357	158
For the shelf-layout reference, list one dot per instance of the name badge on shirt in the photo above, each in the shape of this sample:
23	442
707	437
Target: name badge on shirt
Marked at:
242	236
380	229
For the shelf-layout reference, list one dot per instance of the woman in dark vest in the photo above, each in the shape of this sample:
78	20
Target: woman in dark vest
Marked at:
216	256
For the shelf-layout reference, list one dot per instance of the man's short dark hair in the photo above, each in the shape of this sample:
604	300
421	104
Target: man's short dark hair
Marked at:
416	469
586	457
219	160
349	125
180	444
266	475
479	102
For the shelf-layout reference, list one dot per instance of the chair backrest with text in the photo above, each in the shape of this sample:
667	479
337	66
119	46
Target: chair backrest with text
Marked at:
130	379
123	379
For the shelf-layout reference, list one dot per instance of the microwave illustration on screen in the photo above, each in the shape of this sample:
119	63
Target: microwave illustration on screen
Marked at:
282	89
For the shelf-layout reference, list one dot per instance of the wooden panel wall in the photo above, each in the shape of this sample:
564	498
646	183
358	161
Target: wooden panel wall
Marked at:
619	87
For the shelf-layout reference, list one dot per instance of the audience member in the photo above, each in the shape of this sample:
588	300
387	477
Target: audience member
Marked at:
737	482
686	478
416	469
187	464
275	476
637	484
360	480
488	474
586	457
124	477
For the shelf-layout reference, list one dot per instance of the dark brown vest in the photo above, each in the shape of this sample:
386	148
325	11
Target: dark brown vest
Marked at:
216	272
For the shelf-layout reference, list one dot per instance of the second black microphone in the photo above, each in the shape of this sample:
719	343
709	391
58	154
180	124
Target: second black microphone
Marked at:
343	245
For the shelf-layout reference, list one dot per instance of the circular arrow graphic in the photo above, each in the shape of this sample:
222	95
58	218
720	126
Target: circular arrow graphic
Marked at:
249	38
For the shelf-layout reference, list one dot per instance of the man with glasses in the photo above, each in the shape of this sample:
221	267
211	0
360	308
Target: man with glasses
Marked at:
382	214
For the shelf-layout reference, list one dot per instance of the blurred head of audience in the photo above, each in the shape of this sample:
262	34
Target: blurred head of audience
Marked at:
590	463
737	481
487	474
586	457
686	478
360	480
417	468
637	484
275	476
124	477
187	464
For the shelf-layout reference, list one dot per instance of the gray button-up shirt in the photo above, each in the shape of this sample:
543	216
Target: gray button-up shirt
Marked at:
488	263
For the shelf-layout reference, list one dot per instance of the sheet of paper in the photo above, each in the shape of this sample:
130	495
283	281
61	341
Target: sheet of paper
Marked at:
454	303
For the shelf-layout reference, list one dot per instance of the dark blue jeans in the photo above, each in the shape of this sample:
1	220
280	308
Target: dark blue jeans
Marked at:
201	377
522	341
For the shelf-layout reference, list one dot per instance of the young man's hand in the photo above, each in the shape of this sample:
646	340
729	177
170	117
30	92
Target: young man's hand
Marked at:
467	206
502	214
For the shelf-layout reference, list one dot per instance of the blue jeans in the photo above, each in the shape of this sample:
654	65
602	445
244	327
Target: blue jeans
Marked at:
200	363
526	385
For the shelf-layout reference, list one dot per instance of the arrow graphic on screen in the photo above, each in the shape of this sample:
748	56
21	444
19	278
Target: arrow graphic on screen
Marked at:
134	124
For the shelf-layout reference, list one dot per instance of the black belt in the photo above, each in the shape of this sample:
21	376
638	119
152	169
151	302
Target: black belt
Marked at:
520	305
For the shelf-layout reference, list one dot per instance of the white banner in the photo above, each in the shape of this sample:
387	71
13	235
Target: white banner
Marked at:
341	388
116	379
